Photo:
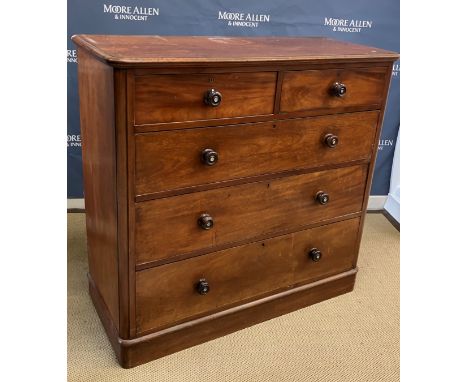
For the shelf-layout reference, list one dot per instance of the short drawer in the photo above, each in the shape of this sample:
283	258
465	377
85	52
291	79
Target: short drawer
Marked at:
202	221
175	159
171	293
185	97
323	89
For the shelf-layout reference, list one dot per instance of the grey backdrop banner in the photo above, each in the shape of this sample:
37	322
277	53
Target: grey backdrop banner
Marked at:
370	22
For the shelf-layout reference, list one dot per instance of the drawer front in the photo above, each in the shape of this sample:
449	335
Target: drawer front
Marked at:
313	89
173	160
168	294
170	226
181	97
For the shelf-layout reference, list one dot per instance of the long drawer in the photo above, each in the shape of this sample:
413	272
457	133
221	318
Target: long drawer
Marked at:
188	97
178	159
177	225
174	292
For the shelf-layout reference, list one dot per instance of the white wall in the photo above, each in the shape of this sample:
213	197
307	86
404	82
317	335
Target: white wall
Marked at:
392	204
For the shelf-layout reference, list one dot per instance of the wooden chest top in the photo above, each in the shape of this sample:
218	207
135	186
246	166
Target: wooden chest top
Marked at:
132	51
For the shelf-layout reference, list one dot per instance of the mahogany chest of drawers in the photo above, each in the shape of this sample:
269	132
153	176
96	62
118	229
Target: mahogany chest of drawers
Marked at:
226	179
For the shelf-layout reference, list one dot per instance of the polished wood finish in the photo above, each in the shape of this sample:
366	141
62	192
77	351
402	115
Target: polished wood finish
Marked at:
154	51
234	182
243	241
336	242
134	352
166	295
373	161
245	211
149	128
171	160
130	201
95	85
125	284
205	219
107	320
311	89
180	97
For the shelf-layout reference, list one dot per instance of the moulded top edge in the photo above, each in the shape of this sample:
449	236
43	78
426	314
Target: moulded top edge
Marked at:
128	50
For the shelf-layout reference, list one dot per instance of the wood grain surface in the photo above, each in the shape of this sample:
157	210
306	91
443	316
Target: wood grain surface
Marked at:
134	352
166	295
310	89
172	160
144	51
168	227
180	97
96	92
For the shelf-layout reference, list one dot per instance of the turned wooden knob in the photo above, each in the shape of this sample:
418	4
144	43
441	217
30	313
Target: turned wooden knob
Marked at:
205	221
322	197
213	98
315	254
338	89
203	287
331	140
209	157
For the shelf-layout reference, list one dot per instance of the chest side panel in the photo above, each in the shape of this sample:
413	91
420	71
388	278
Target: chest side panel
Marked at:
95	81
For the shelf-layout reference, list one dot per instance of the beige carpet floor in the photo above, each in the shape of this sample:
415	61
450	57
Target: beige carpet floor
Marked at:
354	337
